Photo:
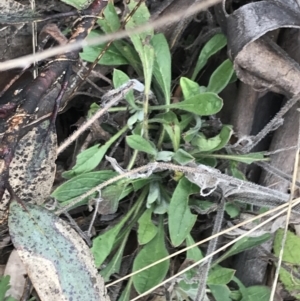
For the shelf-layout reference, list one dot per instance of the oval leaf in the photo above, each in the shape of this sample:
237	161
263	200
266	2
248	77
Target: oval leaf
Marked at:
114	265
150	253
111	22
291	257
181	220
85	162
256	293
78	4
139	143
81	184
243	244
120	78
91	157
219	275
220	292
162	65
189	88
142	40
111	56
221	77
216	43
147	230
204	104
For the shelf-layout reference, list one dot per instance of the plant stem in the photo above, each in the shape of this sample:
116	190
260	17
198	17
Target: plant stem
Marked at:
118	109
160	107
228	157
161	137
132	160
136	213
145	121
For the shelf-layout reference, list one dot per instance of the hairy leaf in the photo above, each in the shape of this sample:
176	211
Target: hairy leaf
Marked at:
189	87
91	157
141	144
120	78
103	244
146	230
78	4
292	258
114	265
162	65
256	293
150	253
181	220
81	184
244	244
111	22
220	292
111	56
221	77
142	41
216	43
182	157
219	275
204	104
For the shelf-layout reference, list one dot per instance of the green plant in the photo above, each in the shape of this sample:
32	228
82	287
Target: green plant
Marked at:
289	272
158	129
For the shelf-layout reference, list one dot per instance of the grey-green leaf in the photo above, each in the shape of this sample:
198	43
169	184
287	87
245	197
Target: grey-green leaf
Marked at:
91	157
256	293
162	65
195	253
213	143
141	144
221	77
114	265
181	220
85	162
244	244
216	43
142	41
220	275
182	157
220	292
103	244
78	4
232	210
146	230
111	56
204	104
111	22
111	195
44	240
120	78
246	158
125	296
150	253
189	88
165	156
81	184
